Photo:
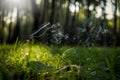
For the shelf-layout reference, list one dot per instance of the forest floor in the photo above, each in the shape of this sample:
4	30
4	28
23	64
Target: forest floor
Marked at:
29	61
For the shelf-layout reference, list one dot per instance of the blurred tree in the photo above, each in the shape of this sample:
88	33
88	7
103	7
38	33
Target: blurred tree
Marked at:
103	6
45	12
74	15
16	33
52	15
36	15
115	22
88	5
67	19
52	19
115	16
1	21
103	10
58	11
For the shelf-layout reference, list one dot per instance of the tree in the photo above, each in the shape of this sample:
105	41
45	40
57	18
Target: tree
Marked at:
74	15
52	15
115	22
67	17
115	17
45	16
36	15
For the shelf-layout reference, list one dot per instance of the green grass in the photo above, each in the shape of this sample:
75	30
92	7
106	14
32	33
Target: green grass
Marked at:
29	61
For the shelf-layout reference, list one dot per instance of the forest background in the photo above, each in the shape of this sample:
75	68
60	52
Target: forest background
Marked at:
20	18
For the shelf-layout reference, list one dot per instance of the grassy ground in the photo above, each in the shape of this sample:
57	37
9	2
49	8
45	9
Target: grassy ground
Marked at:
23	61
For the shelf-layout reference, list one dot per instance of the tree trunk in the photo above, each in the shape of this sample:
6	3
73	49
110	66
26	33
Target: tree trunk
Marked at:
115	18
16	29
115	23
103	21
45	12
10	33
52	15
58	8
36	15
67	18
103	11
88	11
2	25
73	18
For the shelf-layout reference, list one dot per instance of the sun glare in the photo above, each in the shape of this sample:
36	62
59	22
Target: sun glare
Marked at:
91	7
14	14
38	1
72	8
99	12
109	10
16	1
